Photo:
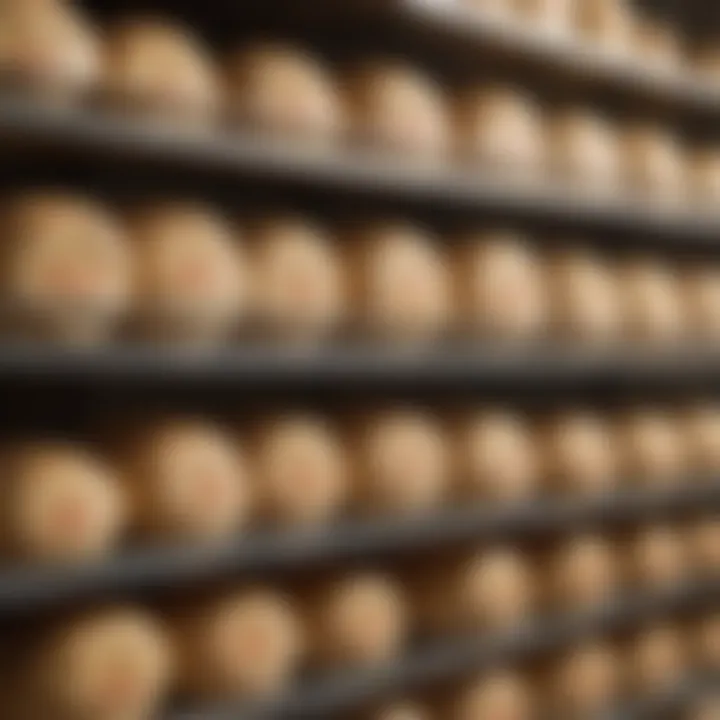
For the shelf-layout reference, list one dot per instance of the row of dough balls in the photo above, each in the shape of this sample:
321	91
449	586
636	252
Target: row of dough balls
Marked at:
73	271
124	662
184	478
156	67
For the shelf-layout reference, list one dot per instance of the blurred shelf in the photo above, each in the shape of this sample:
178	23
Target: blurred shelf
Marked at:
25	123
24	591
448	661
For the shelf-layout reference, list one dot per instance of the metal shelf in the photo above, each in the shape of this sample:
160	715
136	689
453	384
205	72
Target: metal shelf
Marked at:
26	591
448	661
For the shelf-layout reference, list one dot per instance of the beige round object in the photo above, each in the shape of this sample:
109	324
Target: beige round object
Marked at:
159	67
584	148
704	546
700	427
500	285
585	681
584	573
401	283
707	642
49	47
650	448
650	301
401	464
394	107
584	298
654	163
658	45
497	9
191	276
580	454
188	480
492	589
66	268
553	16
501	696
659	558
607	24
298	279
111	665
657	659
402	711
301	471
359	620
283	89
704	176
497	457
701	306
61	503
246	644
500	127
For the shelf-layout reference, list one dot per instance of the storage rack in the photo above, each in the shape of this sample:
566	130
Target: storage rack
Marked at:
80	133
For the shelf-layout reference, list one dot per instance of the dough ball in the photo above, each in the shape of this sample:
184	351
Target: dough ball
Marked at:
394	107
283	89
650	301
706	61
584	148
658	659
584	573
659	558
501	127
548	15
708	642
359	620
404	711
701	306
651	449
104	666
159	67
501	695
299	279
658	45
67	268
501	287
607	24
62	503
301	471
580	454
704	176
249	643
704	546
498	457
402	463
705	709
700	427
402	283
49	47
188	479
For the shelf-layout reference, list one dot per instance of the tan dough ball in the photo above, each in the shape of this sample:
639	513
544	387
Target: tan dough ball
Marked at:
67	268
359	620
500	127
586	680
299	281
401	464
659	558
49	47
497	457
707	641
657	660
61	503
701	306
500	285
584	298
402	284
654	163
584	573
700	427
497	9
283	89
584	148
160	67
501	696
650	448
651	301
580	454
704	176
658	45
111	665
608	24
394	107
188	480
191	276
403	711
301	471
245	644
704	546
548	15
492	589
